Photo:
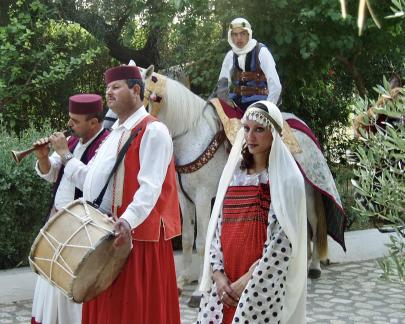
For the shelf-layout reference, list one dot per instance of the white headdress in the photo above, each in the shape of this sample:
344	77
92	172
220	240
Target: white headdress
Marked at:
241	52
287	193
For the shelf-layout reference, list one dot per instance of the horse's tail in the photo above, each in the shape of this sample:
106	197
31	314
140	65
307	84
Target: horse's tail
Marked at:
321	228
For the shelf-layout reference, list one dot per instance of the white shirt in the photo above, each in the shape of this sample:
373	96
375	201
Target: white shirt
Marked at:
268	67
66	190
156	151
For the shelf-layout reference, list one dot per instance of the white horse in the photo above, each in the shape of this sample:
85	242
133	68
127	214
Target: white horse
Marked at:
195	126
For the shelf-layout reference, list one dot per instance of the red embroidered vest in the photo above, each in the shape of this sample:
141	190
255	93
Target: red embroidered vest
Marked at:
166	210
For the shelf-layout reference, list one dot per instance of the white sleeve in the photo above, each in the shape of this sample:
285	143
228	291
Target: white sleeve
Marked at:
216	256
268	67
227	66
76	171
56	164
156	152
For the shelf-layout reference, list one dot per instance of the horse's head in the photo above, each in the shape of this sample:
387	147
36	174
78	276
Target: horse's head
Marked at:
155	90
174	104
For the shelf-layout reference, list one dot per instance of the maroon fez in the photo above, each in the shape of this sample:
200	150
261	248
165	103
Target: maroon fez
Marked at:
84	104
122	72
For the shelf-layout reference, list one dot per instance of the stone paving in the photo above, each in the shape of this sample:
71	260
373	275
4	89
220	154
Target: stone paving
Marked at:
346	293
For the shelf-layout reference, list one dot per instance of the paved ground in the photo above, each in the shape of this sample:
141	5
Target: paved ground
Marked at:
346	293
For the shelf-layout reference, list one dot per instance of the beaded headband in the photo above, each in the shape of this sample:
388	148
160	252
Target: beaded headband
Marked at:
262	117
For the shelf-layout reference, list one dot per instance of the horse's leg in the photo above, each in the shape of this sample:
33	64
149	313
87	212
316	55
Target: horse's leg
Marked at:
316	218
203	210
314	269
187	240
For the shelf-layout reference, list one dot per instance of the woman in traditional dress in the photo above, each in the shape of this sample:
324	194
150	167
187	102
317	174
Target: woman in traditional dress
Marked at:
256	262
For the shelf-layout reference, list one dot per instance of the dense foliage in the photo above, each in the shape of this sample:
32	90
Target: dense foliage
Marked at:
43	62
320	57
380	170
24	199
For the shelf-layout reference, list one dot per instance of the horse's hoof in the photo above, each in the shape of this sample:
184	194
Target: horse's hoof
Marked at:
194	301
181	282
325	262
314	273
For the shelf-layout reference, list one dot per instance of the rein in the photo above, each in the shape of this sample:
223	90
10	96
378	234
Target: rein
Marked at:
202	160
205	156
154	103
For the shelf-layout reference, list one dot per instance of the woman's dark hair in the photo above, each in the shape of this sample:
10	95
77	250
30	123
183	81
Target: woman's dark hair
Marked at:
131	83
247	158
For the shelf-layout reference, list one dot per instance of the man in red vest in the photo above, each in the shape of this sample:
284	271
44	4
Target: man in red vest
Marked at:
50	305
142	194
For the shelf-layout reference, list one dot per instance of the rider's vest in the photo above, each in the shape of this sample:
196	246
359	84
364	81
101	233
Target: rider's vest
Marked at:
249	85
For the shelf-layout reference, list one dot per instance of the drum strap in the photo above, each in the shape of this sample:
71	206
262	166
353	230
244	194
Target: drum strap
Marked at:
97	202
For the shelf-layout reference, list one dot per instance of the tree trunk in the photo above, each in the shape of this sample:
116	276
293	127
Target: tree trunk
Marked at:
4	5
110	34
350	65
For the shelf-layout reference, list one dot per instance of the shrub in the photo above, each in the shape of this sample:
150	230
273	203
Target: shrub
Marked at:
24	199
343	175
380	181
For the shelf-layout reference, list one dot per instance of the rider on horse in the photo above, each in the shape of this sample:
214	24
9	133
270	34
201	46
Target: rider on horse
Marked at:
248	72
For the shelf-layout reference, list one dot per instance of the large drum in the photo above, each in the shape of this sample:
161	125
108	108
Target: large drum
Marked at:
74	251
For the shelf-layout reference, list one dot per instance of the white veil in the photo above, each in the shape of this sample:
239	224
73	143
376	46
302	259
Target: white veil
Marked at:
287	191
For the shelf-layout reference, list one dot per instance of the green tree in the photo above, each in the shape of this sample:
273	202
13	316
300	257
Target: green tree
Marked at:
43	62
134	29
320	57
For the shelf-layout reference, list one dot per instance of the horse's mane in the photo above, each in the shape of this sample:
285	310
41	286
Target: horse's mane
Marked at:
181	108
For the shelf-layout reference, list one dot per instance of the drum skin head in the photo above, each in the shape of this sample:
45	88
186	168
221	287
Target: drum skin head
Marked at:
99	269
74	251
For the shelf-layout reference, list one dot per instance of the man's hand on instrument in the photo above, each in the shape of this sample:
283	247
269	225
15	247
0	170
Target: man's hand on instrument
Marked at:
59	143
122	232
41	148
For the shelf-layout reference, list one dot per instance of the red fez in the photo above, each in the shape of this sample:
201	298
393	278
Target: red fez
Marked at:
84	104
122	72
